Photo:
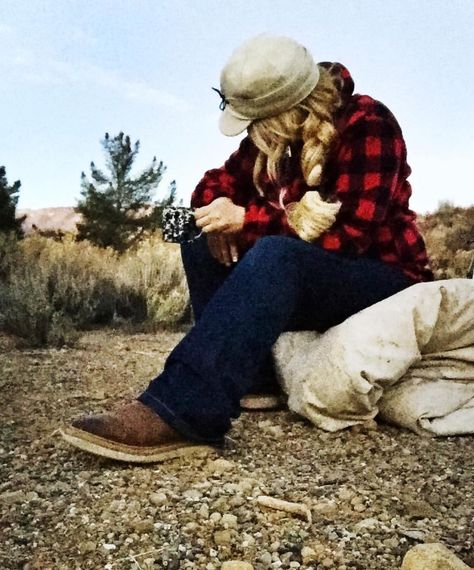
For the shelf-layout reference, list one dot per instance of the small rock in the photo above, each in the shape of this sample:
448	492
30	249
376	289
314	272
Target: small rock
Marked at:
265	558
12	497
246	485
87	547
308	555
191	527
236	565
414	534
247	540
219	466
116	506
192	495
391	542
222	537
109	547
142	526
204	511
274	546
236	501
325	506
345	494
158	499
221	504
229	521
366	523
432	557
419	509
268	427
215	517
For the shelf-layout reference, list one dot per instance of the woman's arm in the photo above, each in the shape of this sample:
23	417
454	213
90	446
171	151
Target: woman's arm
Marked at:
235	181
370	167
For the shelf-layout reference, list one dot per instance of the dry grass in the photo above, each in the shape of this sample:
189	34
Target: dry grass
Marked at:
449	235
53	288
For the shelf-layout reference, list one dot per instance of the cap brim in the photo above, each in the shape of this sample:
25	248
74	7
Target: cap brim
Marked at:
230	125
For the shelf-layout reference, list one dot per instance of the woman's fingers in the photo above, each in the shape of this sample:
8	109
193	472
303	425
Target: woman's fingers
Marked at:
212	245
226	258
221	216
223	248
234	251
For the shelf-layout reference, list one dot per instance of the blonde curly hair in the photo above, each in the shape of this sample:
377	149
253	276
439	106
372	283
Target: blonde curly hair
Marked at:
312	122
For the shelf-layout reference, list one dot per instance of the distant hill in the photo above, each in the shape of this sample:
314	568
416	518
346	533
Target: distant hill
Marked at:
64	219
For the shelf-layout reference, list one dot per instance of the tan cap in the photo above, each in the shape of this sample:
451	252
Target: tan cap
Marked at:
264	77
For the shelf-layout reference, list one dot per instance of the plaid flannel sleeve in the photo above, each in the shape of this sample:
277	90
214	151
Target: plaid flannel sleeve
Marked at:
369	162
233	180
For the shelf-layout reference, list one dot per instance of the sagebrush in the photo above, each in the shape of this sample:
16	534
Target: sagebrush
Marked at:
449	236
53	288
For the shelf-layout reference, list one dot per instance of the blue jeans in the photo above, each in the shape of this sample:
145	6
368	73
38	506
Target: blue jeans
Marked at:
282	283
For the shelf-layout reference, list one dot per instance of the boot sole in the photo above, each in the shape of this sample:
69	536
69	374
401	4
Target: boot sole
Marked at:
256	402
131	453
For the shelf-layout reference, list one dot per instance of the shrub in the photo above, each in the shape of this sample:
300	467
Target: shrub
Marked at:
51	289
449	236
154	272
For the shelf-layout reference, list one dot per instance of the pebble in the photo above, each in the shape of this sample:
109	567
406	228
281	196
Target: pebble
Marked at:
236	501
12	497
325	506
246	485
308	555
192	495
265	558
391	542
222	537
345	494
229	521
236	565
418	509
87	546
366	524
219	466
109	547
158	499
432	557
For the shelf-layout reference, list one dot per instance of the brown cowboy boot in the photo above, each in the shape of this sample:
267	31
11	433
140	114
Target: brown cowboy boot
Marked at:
133	433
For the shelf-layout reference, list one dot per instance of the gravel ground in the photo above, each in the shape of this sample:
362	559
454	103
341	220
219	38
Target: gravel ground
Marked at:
373	493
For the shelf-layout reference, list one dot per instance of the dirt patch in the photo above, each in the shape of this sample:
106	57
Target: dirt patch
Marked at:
373	493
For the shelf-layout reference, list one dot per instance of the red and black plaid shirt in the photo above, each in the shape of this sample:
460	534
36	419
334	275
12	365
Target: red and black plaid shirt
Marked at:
367	174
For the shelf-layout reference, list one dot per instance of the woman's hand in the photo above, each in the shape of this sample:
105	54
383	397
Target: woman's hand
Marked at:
223	247
221	216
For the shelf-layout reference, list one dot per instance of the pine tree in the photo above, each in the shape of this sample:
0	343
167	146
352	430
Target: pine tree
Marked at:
8	201
117	209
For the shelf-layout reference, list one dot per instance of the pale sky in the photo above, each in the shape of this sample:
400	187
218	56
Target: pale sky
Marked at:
72	70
